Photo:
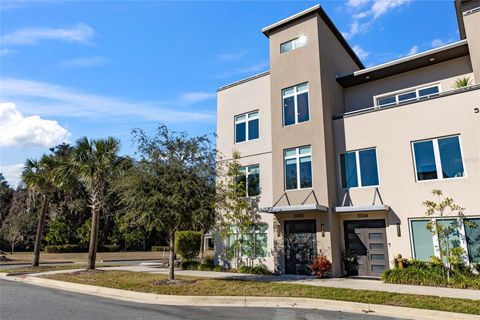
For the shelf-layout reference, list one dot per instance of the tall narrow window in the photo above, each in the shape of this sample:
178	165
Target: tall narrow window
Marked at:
359	169
298	168
295	104
250	179
439	158
246	127
472	233
422	240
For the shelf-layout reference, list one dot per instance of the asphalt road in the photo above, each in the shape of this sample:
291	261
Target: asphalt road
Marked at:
21	301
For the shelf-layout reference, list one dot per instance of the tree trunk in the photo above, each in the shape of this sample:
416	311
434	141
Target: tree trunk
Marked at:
202	243
92	249
171	260
39	234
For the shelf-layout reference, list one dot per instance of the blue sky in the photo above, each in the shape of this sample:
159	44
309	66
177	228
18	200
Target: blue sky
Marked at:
100	68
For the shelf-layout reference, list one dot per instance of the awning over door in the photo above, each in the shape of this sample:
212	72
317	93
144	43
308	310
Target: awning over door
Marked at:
296	208
366	208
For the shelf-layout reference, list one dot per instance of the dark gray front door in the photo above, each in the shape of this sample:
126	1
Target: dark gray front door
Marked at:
367	240
300	245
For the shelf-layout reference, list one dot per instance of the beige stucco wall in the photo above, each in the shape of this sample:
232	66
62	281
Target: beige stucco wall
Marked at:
391	131
472	27
445	74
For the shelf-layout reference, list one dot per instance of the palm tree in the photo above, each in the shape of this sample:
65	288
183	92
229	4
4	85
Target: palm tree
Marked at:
94	162
39	177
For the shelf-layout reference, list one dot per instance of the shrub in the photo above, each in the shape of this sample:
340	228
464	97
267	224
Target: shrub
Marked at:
208	258
219	269
321	266
259	269
187	264
64	248
160	248
187	244
205	267
108	248
432	273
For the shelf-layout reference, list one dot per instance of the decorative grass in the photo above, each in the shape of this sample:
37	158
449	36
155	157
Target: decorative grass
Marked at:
152	283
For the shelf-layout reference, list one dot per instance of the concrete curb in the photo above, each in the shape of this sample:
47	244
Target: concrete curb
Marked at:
239	301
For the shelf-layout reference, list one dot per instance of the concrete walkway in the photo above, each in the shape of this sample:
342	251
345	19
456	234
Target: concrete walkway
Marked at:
347	283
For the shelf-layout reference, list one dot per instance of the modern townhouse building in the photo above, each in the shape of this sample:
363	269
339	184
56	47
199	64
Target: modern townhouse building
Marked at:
343	156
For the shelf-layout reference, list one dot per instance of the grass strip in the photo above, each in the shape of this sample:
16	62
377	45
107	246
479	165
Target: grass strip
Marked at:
153	283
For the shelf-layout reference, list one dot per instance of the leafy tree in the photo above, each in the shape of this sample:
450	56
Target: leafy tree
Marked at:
57	234
451	254
6	196
94	163
83	233
239	213
39	177
164	191
12	230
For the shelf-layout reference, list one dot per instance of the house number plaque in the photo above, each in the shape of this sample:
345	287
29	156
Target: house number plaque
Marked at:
362	215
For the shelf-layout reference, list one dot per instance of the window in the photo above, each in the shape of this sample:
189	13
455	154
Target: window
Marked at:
439	158
406	96
298	168
425	244
295	104
293	44
472	233
359	169
246	127
253	243
251	180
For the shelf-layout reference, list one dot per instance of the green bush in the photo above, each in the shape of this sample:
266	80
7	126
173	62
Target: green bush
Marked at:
259	269
160	248
432	274
219	269
187	244
205	267
187	264
64	248
108	248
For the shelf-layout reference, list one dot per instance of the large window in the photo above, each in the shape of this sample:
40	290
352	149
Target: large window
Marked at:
295	104
246	127
410	95
251	180
298	168
253	243
439	158
293	44
359	168
426	245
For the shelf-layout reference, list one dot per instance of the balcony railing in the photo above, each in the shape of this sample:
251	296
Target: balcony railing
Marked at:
419	99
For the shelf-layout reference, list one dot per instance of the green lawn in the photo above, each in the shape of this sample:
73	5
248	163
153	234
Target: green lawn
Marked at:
145	282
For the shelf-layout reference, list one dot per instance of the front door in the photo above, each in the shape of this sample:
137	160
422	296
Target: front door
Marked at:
367	240
300	245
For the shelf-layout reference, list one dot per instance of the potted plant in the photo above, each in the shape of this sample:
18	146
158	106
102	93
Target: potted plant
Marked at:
321	266
350	262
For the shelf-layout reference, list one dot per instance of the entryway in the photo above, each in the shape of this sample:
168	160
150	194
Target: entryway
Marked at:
300	245
367	240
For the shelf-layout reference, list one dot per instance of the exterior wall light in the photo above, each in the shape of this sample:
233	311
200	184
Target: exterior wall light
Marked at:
399	230
322	229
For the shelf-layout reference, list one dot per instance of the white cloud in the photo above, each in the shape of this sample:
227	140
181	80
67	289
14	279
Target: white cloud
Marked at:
356	3
362	54
84	62
21	131
377	9
380	7
12	174
437	43
80	33
234	56
53	100
412	50
6	52
194	97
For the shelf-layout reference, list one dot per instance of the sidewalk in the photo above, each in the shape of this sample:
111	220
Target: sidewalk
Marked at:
346	283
